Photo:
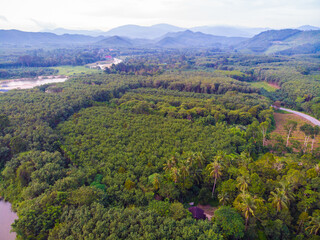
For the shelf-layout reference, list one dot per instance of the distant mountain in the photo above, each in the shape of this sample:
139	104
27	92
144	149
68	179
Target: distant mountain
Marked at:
282	41
308	48
115	41
61	31
229	31
286	41
10	37
196	39
135	31
308	28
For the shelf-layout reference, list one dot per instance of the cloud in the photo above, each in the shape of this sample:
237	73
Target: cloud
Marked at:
105	14
43	25
3	19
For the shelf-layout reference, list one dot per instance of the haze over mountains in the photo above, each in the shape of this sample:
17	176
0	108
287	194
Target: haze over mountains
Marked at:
303	40
158	30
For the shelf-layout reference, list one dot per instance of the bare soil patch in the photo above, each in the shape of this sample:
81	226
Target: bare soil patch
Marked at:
274	85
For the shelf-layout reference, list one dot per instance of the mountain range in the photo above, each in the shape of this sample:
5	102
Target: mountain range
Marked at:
158	30
16	37
286	41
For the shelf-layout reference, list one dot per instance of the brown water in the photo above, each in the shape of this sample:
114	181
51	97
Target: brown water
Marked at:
7	217
6	85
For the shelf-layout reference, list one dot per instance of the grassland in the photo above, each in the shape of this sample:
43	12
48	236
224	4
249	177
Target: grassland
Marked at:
267	86
72	70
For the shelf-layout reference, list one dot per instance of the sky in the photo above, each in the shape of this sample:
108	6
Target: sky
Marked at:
37	15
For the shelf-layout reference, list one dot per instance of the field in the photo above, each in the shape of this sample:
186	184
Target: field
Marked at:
72	70
267	86
298	135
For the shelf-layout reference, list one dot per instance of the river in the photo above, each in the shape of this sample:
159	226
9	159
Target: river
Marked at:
7	217
25	83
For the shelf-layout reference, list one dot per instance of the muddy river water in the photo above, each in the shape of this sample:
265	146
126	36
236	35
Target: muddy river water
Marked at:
6	85
7	217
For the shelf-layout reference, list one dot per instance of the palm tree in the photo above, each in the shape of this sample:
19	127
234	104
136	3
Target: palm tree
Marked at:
196	161
214	170
174	172
317	168
290	127
279	200
246	204
184	169
223	198
245	159
243	182
287	189
314	223
155	179
171	162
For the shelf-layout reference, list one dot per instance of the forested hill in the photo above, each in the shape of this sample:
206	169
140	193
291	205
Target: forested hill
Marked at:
287	41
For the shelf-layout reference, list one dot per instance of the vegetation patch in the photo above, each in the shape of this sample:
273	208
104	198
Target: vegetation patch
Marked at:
73	70
267	86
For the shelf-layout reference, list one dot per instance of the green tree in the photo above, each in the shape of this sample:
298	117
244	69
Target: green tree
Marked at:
229	222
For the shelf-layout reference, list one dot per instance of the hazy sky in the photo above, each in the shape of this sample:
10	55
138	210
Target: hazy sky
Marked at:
35	15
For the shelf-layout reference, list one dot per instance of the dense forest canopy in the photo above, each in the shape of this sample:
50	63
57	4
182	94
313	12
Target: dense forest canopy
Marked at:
120	154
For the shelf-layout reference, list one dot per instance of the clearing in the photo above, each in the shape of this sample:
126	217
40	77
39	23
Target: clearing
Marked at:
282	118
72	70
270	87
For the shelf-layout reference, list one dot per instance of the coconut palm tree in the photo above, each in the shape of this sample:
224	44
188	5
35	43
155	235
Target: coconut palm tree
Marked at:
287	189
246	204
290	127
314	223
184	169
317	168
214	170
243	182
245	159
223	198
171	162
155	179
279	199
174	173
196	162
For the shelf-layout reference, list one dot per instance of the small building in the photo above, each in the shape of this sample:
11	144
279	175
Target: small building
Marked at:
197	213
